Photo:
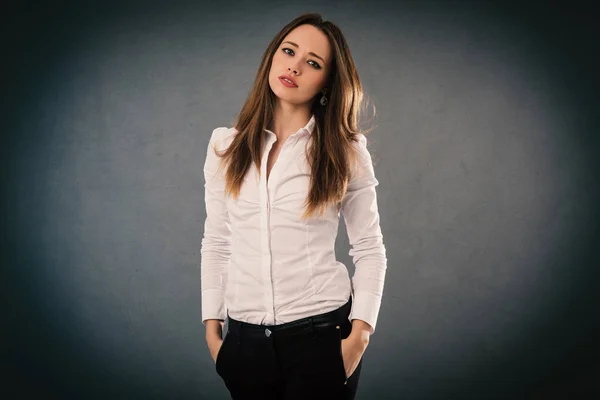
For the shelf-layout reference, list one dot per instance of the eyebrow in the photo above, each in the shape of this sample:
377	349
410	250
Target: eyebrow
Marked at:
311	53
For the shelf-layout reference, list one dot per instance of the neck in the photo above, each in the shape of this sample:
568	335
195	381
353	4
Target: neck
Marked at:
288	118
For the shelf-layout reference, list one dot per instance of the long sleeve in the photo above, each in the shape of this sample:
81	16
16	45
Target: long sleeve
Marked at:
360	211
216	243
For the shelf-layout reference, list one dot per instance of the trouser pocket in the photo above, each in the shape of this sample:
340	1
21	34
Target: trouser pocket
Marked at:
343	331
221	354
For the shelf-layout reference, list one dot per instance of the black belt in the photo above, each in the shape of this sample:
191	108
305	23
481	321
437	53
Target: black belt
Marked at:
307	324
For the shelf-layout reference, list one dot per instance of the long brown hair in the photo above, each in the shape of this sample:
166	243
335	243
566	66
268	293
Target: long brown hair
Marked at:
331	154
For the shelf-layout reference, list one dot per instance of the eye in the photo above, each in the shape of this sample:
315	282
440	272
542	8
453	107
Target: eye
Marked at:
315	64
290	52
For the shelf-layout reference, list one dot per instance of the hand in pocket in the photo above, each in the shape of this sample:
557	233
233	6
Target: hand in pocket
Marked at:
352	352
214	346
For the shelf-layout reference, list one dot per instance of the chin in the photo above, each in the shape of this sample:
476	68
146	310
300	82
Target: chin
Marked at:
281	93
282	97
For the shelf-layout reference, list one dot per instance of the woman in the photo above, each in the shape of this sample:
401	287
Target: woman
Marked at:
275	186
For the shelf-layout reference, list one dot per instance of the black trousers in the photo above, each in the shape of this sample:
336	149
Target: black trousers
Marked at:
296	360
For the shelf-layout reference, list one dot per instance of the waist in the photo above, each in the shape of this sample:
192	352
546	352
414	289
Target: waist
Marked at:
338	316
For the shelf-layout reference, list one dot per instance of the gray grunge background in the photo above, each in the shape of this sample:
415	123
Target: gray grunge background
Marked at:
486	149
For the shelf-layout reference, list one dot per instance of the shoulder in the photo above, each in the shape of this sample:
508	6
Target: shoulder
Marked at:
219	141
361	140
361	160
222	137
360	146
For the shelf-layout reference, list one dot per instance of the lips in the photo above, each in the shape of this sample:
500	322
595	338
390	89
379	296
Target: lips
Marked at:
284	77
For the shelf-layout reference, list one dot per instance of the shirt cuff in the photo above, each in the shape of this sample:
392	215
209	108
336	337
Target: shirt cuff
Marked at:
213	305
365	306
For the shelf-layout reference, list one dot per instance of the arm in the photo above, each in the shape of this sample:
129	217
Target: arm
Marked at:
361	216
216	243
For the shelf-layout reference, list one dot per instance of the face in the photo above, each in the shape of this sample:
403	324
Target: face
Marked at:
305	55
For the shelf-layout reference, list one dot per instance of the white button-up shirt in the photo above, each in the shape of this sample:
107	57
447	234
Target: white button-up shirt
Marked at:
263	264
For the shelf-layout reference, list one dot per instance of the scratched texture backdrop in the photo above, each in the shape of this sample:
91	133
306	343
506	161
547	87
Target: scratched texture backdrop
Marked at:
486	149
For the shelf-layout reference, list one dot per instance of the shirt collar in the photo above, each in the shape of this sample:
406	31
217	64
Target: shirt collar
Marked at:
308	128
310	125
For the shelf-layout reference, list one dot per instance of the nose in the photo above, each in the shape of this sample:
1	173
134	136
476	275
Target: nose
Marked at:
293	70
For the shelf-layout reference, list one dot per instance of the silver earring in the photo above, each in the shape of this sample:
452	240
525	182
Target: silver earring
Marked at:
323	99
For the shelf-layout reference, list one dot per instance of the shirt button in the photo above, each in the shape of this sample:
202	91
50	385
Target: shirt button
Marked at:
267	332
